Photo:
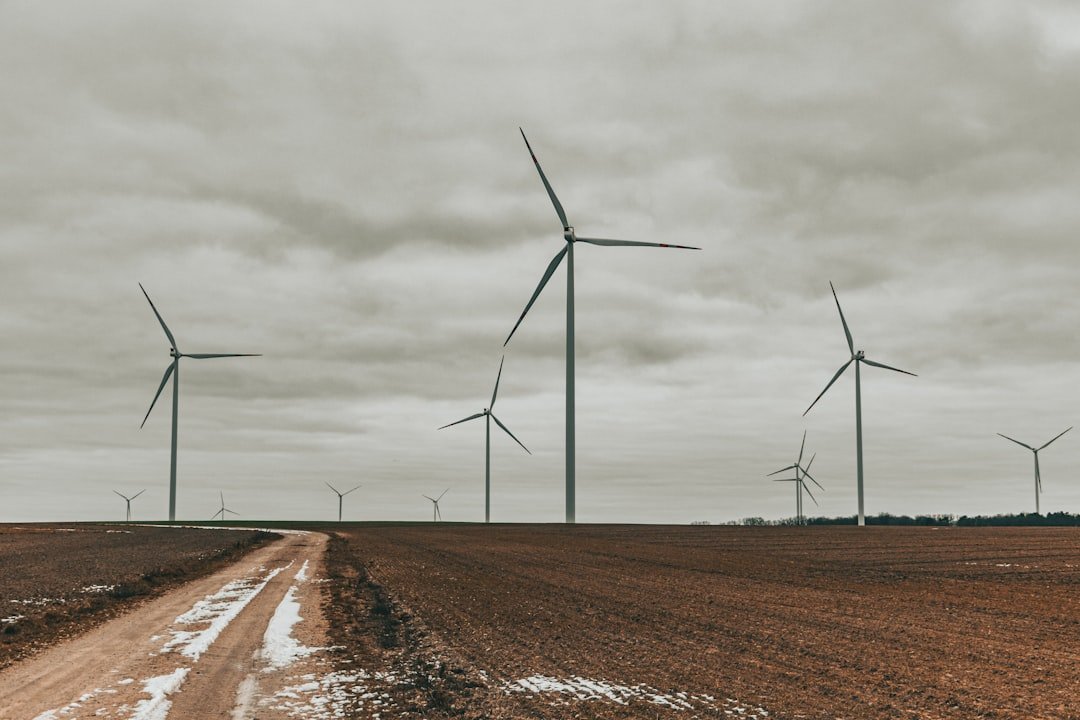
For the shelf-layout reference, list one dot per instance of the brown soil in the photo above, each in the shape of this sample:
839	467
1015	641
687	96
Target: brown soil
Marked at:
62	580
805	622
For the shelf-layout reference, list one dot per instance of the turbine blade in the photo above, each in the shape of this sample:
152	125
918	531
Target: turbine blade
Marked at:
888	367
543	281
1038	475
229	511
806	474
122	495
471	417
547	186
165	379
331	487
497	379
164	327
810	494
789	467
355	488
850	342
138	493
1018	442
807	468
1057	436
632	243
838	374
786	480
443	493
801	448
507	430
207	356
430	498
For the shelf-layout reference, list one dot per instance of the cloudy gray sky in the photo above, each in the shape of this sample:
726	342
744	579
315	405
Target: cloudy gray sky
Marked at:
342	187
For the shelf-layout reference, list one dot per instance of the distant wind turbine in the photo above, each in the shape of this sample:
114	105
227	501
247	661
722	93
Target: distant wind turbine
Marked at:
488	414
128	500
435	514
340	496
571	238
174	369
1035	451
858	358
801	473
223	509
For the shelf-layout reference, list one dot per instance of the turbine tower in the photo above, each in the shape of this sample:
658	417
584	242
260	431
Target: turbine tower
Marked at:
128	500
858	358
801	473
435	514
174	370
488	414
1035	451
340	496
223	509
570	238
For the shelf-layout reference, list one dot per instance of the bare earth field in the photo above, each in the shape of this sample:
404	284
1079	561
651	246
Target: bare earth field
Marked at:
58	580
646	621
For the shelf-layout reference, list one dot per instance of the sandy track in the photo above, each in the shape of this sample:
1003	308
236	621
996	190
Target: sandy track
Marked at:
193	653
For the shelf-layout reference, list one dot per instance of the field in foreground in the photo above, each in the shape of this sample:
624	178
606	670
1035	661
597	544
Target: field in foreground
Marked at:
645	621
56	581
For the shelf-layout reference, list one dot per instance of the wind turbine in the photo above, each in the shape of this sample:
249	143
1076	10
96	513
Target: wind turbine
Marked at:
174	369
858	358
128	500
435	514
223	509
1035	451
488	414
570	237
801	473
340	496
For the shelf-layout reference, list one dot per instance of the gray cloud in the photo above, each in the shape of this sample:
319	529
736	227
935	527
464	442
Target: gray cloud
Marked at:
344	190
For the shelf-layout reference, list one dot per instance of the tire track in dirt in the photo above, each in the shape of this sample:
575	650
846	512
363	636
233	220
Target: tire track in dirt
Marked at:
183	655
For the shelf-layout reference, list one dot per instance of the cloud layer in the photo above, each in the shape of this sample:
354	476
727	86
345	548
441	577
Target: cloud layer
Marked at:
344	190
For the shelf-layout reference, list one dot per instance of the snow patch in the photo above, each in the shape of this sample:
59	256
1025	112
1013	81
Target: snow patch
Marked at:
218	610
585	689
333	695
156	707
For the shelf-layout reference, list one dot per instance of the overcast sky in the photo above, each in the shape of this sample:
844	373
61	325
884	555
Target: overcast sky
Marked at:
342	187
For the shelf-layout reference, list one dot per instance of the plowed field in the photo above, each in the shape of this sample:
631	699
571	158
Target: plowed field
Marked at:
631	621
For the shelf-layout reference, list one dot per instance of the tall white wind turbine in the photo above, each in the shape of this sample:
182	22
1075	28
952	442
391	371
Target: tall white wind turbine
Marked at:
1035	452
174	370
858	358
435	514
340	497
488	414
801	474
127	517
570	238
223	509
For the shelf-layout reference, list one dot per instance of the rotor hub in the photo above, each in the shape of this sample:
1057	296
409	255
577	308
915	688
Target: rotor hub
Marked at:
568	233
860	355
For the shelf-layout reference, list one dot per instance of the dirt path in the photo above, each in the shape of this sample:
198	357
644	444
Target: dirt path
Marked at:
221	647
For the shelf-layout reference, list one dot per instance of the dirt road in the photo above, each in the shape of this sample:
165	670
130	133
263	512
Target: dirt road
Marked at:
243	642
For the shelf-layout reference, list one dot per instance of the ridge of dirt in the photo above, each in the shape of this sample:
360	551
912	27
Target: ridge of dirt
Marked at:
377	631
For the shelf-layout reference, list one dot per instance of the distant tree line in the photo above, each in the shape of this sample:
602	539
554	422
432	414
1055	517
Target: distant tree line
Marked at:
1055	519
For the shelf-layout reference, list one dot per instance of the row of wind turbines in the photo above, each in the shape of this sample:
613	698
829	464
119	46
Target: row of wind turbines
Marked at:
570	239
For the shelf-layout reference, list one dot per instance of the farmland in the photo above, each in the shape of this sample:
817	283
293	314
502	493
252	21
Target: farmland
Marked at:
57	581
625	621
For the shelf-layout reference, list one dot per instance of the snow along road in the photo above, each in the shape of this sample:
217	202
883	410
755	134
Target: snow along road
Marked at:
224	646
